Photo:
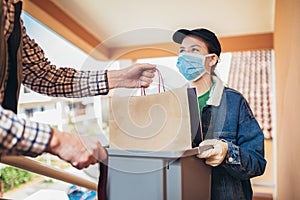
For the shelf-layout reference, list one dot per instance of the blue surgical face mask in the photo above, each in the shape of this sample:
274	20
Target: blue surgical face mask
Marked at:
191	65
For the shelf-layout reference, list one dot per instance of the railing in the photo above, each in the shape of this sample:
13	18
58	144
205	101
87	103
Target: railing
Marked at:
46	170
59	174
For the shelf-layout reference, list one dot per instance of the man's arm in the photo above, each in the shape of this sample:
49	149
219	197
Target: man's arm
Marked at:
22	137
43	77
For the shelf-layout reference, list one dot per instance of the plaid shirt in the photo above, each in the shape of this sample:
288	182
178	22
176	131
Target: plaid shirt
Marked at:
19	136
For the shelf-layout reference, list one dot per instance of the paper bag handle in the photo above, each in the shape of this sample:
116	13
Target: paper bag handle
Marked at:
160	83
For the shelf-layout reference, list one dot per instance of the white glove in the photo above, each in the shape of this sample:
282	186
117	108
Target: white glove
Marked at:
214	156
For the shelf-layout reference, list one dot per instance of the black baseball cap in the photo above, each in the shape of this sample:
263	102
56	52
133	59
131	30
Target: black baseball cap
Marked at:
209	37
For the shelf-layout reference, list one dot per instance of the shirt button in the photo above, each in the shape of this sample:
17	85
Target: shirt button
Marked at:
230	159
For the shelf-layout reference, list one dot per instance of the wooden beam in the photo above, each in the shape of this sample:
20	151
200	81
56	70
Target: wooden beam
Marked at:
144	51
56	19
247	42
229	44
46	170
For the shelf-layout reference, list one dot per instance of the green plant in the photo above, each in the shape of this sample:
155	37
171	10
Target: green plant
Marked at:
13	177
48	181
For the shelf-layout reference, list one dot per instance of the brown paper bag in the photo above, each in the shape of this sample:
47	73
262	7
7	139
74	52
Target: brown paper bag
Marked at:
158	122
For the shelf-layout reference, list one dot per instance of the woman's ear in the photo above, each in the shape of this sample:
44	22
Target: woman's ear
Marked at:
213	60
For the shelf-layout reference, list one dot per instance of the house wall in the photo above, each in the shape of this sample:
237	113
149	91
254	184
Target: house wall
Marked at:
287	65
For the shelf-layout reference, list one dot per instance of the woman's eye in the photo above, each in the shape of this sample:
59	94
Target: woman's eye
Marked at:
181	50
195	50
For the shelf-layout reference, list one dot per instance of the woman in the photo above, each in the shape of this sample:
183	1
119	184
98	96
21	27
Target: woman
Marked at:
227	122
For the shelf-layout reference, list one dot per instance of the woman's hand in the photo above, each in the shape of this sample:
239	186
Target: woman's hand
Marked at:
213	156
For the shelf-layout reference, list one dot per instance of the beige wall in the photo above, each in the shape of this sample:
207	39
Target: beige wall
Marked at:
287	64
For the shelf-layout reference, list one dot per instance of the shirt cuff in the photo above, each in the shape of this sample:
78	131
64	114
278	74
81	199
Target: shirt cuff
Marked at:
233	154
35	138
99	82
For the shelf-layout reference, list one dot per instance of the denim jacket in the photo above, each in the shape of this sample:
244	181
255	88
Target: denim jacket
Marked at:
228	117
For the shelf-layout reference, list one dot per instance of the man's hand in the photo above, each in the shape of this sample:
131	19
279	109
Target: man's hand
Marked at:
80	151
134	76
213	156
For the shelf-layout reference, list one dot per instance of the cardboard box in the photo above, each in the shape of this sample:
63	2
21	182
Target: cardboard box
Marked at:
172	175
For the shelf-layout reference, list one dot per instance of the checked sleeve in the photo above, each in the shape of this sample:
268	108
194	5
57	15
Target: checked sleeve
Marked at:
22	137
45	78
